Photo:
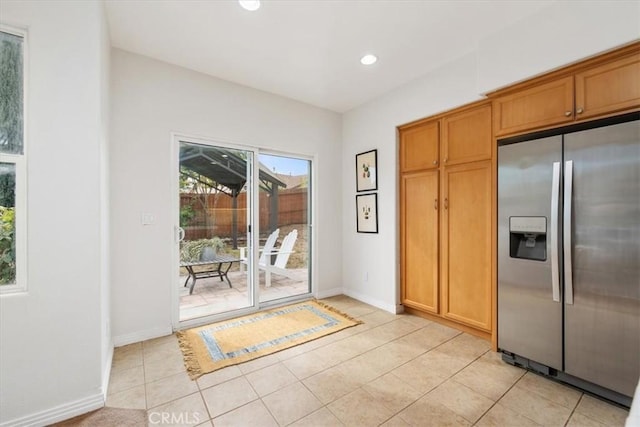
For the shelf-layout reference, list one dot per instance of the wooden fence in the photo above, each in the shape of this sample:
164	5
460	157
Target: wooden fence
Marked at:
209	215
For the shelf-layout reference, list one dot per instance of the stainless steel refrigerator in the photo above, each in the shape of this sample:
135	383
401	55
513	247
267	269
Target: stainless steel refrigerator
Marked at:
569	254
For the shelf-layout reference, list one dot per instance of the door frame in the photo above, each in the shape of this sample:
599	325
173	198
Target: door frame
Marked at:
176	139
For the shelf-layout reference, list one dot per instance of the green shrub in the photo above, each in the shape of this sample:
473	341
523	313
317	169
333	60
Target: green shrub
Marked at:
187	213
7	246
191	250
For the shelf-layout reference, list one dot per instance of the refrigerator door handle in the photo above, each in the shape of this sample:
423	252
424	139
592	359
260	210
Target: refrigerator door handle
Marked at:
555	262
567	228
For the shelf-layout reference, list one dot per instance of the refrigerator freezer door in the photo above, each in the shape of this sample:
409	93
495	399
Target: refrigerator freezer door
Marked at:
602	327
529	320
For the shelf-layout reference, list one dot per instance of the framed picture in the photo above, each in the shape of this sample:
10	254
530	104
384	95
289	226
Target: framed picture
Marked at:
367	213
367	171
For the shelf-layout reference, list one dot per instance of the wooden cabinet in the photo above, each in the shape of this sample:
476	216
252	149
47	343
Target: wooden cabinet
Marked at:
544	105
467	232
466	136
608	88
446	218
419	231
419	147
601	87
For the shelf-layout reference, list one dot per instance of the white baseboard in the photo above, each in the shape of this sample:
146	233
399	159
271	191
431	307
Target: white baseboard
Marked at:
121	340
391	308
59	413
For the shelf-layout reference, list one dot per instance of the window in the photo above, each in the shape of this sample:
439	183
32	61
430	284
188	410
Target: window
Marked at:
12	162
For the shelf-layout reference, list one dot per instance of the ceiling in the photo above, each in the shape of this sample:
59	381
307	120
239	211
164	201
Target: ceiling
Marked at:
310	50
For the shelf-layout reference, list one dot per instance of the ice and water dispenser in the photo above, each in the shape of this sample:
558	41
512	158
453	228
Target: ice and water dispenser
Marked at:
528	237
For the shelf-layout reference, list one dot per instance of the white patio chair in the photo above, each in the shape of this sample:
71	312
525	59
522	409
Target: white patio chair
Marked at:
282	257
266	249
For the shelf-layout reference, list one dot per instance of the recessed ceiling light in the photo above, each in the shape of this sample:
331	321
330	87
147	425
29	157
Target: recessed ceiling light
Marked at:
250	4
368	59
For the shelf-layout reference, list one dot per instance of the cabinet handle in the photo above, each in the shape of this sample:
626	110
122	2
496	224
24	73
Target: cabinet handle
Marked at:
435	204
446	159
579	111
567	113
446	203
435	162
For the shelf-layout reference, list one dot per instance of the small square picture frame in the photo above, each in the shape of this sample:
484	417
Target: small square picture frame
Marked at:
367	171
367	213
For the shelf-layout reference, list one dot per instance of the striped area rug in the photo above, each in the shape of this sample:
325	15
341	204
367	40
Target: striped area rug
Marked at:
212	347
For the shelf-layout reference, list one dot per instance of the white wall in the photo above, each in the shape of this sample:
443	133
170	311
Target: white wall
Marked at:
51	338
560	34
151	99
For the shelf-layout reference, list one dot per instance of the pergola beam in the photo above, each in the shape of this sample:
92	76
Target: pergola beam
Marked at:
227	172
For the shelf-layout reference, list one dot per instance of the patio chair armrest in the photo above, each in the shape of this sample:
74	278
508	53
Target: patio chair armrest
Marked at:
243	250
276	252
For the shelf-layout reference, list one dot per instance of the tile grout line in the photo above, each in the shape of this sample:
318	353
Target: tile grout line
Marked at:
206	407
505	393
326	405
574	410
175	399
397	413
361	387
450	377
500	398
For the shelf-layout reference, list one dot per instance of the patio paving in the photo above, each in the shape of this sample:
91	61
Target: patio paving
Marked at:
212	296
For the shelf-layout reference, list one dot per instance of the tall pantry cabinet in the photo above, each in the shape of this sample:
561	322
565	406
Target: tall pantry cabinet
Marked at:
446	217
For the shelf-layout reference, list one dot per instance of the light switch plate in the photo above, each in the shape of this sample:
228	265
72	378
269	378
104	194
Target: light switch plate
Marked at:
147	218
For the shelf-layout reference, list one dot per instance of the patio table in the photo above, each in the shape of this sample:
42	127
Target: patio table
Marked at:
218	269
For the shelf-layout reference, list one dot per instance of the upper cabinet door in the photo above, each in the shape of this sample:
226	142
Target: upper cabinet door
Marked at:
609	88
419	147
537	107
466	136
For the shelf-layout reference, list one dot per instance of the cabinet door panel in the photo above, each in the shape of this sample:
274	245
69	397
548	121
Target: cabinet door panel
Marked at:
608	88
466	136
537	107
419	236
467	236
419	147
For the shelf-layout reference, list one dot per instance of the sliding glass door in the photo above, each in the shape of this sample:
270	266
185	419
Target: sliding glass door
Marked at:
230	264
215	211
285	200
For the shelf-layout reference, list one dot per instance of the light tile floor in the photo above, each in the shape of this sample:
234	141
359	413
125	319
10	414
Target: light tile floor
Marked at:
390	371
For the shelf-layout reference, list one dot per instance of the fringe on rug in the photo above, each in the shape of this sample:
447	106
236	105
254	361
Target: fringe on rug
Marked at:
335	310
190	360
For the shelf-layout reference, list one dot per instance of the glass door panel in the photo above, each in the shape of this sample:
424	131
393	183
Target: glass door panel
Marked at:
284	262
215	218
